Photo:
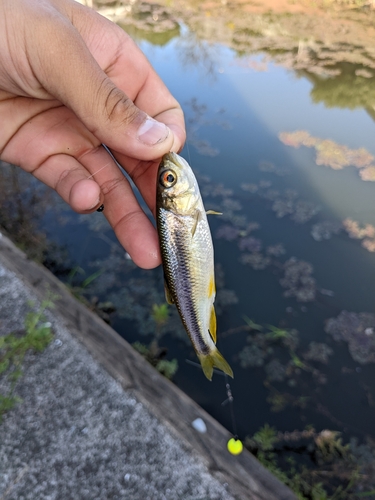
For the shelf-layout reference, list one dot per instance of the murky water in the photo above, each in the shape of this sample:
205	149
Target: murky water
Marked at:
295	245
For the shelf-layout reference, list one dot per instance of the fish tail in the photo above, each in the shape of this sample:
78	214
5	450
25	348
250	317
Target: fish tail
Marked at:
208	361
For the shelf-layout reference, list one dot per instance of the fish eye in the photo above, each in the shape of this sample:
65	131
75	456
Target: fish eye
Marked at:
168	178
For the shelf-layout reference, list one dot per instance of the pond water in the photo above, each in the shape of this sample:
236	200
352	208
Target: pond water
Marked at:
287	154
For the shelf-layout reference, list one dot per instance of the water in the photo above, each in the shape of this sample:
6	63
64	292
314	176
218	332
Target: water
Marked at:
236	106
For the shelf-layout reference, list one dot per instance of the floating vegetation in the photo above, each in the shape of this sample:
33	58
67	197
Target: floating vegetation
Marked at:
318	464
367	174
365	233
298	280
325	229
358	330
331	154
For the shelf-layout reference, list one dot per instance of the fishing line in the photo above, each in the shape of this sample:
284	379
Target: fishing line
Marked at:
234	445
230	400
101	168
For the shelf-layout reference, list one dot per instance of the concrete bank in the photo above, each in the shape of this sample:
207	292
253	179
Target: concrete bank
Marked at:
97	422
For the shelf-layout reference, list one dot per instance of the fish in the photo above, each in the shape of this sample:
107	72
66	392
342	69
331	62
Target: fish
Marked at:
188	258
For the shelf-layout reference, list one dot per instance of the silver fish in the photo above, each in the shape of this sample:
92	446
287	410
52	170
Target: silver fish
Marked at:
188	258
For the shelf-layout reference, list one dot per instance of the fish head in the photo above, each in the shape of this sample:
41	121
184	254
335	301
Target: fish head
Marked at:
177	188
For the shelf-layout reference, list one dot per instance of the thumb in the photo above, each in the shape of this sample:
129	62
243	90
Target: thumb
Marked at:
75	78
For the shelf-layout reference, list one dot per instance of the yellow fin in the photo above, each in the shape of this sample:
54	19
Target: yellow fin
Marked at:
168	295
211	287
208	361
212	212
198	217
212	328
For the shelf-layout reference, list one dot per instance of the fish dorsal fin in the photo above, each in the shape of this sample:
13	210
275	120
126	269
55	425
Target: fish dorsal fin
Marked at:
212	327
168	295
197	218
212	212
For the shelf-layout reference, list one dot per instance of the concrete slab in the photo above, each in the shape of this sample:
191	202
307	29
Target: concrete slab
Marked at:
97	422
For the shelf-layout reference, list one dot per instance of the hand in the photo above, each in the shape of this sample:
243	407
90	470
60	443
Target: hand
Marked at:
69	81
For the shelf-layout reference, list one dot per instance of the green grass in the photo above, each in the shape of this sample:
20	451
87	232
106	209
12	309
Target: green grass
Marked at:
35	337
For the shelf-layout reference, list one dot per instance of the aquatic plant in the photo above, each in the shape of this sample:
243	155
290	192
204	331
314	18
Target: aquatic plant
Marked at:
227	232
358	330
329	445
298	280
355	231
336	473
224	298
325	229
318	352
304	211
249	187
167	368
365	233
256	260
283	207
276	250
264	439
155	356
250	244
277	401
331	154
160	314
266	166
252	356
368	173
276	371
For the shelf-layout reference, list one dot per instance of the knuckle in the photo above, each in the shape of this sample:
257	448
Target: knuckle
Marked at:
111	185
118	107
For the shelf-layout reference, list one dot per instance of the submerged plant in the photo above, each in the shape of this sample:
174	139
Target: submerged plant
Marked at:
154	355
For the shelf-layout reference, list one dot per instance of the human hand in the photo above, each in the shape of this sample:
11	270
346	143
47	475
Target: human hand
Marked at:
69	81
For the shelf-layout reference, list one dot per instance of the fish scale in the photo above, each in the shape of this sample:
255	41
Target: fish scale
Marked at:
188	258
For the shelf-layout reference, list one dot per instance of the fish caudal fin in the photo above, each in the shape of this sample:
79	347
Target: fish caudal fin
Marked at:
214	359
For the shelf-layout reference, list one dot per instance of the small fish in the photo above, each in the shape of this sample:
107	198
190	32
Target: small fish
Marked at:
188	258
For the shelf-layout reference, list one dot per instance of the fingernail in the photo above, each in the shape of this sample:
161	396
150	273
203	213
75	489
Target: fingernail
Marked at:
152	132
95	204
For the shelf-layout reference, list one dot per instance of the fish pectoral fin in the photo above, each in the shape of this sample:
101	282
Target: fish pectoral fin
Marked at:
209	361
212	328
212	212
197	218
168	295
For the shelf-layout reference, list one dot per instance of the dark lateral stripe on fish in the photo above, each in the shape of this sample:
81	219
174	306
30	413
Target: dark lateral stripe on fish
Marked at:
183	296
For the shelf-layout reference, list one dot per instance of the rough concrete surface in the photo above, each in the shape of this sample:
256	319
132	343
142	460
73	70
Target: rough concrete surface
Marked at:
77	434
